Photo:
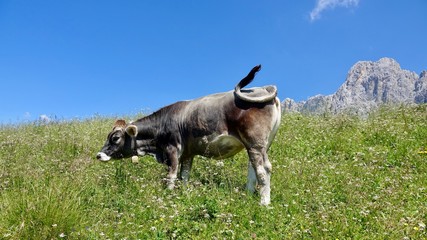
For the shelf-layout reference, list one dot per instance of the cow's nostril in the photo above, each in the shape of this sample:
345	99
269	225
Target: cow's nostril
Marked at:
102	156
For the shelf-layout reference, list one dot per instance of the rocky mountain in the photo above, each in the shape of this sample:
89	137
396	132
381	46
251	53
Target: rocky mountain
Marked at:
368	85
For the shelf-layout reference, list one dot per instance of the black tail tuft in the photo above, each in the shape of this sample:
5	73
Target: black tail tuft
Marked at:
248	79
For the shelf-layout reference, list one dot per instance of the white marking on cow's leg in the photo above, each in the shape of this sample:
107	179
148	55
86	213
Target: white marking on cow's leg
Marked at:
262	166
264	185
250	186
171	178
265	191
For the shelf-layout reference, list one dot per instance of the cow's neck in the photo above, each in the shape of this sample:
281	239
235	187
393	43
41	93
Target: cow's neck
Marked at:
145	142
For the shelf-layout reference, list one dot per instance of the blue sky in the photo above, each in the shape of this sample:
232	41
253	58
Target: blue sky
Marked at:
77	59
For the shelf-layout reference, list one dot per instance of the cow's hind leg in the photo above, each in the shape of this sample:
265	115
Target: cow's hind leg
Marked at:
262	168
252	179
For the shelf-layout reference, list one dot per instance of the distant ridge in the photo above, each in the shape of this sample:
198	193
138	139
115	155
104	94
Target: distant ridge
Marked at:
367	86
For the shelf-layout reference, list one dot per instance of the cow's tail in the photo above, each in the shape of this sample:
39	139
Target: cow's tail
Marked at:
271	90
248	79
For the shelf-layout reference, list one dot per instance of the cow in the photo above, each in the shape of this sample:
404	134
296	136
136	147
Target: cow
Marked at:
215	126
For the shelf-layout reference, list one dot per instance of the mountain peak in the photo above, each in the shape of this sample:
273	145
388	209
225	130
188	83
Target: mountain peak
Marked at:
386	61
368	85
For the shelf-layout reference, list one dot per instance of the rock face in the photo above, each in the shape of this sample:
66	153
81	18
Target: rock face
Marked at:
368	85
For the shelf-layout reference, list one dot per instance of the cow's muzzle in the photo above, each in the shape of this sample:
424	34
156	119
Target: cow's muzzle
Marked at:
102	157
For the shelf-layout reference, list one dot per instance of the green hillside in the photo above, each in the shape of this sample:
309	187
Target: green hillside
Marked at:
334	177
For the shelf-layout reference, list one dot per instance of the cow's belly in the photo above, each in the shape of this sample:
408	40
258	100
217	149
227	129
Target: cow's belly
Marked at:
219	146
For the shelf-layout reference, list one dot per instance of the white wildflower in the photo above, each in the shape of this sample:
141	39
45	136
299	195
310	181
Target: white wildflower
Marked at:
220	164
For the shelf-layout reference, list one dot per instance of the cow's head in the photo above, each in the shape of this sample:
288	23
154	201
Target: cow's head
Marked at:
120	142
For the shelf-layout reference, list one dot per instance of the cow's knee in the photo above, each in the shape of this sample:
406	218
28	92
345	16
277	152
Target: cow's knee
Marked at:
267	165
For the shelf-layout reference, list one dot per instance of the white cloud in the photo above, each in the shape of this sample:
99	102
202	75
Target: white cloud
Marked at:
323	5
44	118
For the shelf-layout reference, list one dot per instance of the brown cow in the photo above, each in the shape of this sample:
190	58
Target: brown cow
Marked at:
216	126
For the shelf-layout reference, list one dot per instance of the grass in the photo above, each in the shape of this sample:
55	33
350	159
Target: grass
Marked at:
334	177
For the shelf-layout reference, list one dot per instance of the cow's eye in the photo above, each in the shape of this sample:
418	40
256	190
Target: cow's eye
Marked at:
115	139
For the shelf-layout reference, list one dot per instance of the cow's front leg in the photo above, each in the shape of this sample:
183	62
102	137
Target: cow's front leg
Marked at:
186	164
262	166
172	156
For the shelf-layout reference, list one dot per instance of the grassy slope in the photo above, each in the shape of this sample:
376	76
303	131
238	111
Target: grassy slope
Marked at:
333	177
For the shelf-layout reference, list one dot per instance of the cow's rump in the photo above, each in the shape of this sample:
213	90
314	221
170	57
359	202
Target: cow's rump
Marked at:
257	94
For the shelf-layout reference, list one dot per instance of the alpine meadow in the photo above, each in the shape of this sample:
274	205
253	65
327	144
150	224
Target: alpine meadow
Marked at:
334	177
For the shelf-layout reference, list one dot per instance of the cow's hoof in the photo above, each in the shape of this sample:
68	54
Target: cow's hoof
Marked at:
265	201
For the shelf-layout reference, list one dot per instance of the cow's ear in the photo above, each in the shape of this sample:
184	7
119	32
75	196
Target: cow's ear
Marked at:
132	130
120	123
